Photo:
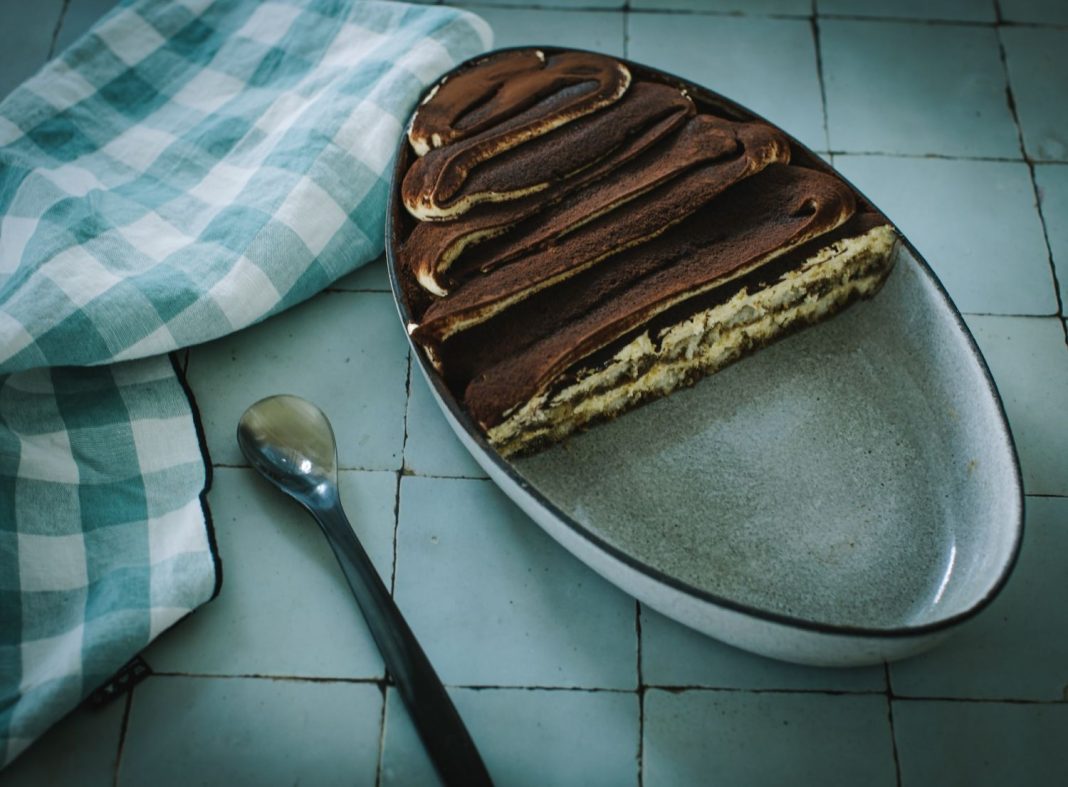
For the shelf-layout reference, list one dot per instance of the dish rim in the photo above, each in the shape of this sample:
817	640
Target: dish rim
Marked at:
506	468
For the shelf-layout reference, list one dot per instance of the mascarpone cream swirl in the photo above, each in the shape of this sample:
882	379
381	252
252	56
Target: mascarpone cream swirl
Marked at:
500	103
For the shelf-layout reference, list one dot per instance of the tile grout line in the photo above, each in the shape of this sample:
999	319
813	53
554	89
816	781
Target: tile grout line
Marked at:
575	9
56	30
980	700
936	156
396	525
528	687
486	479
365	290
358	469
798	17
626	29
122	736
890	719
401	472
815	27
860	693
679	688
1045	237
1011	100
384	689
411	474
266	676
914	20
1013	316
641	695
384	682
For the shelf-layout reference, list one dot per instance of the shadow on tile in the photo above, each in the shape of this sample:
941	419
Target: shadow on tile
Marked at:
1029	361
81	749
767	738
674	655
1018	648
372	277
231	731
980	744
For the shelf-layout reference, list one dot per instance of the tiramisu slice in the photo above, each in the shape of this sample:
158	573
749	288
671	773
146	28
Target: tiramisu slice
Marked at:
586	240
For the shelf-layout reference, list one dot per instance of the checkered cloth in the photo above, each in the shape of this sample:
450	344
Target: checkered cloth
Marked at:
184	170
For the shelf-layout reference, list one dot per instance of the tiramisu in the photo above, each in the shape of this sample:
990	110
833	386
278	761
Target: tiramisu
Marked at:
584	238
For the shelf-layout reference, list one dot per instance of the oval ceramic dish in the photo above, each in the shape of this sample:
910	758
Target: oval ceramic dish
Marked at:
849	495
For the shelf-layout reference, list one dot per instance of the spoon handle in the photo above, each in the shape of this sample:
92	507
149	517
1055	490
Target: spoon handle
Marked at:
435	717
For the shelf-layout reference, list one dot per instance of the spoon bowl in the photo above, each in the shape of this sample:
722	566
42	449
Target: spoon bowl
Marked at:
290	441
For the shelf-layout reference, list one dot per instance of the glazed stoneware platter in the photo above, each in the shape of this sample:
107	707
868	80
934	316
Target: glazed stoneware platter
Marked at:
846	496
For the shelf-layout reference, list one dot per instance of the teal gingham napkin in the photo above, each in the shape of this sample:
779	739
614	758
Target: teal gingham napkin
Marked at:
182	171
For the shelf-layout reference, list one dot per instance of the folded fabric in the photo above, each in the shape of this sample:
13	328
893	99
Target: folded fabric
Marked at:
182	171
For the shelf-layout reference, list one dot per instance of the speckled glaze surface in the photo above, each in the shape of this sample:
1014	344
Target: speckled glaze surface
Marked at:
848	495
853	476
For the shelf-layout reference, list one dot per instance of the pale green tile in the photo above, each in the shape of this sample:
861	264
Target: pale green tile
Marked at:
895	87
1037	60
346	352
952	10
595	30
768	65
432	448
1029	362
1052	181
496	602
945	207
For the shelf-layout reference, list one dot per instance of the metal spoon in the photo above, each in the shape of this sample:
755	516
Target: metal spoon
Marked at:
290	442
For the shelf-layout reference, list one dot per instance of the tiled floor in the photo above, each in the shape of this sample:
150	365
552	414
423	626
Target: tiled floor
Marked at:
952	116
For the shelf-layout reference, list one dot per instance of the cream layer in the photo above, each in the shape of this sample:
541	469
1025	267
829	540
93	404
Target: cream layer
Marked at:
703	343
